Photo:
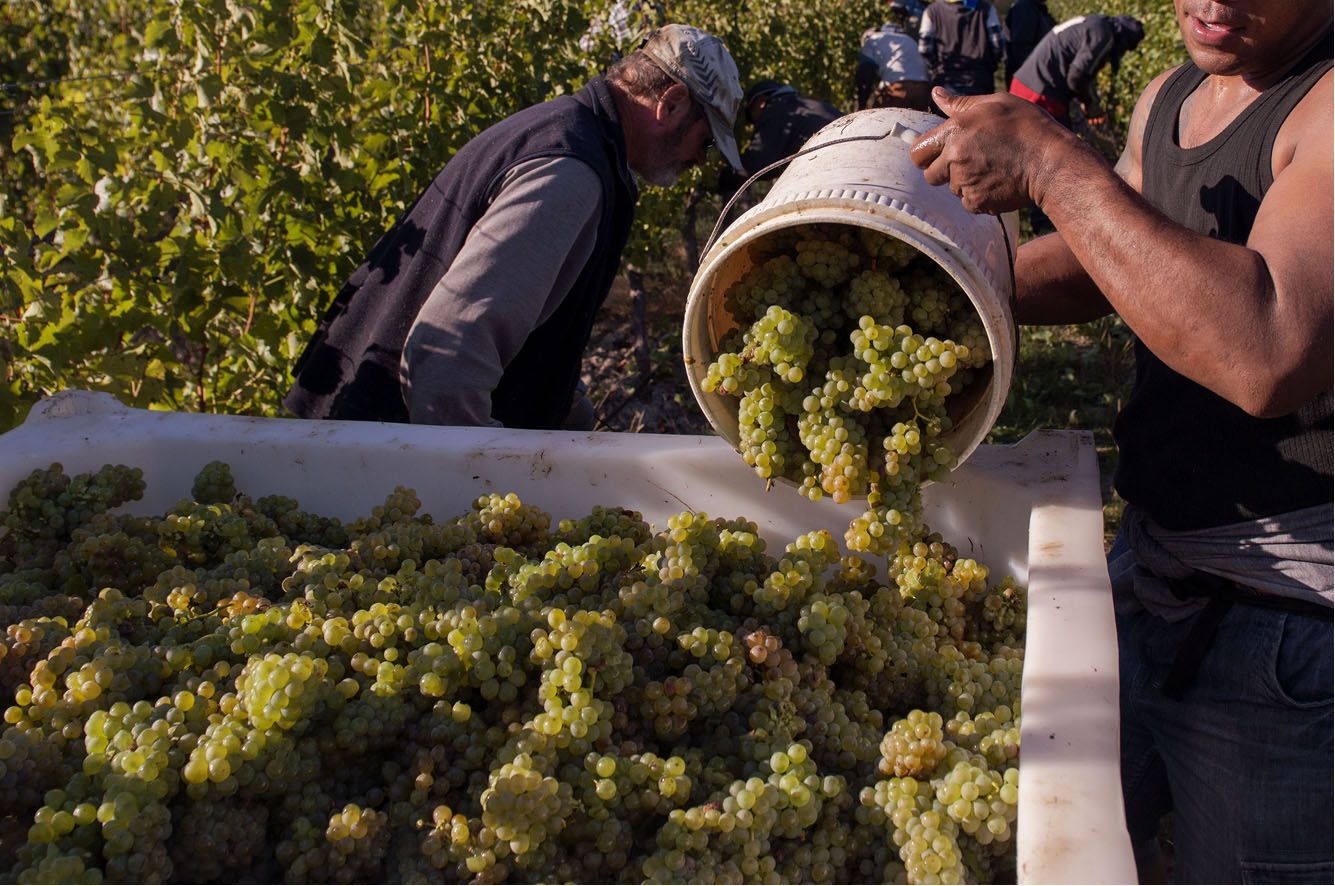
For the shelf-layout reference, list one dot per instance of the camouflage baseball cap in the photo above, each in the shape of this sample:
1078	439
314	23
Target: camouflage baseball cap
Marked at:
701	63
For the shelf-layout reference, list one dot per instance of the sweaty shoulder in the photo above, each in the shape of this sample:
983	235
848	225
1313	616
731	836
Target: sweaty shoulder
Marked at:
1130	165
1308	126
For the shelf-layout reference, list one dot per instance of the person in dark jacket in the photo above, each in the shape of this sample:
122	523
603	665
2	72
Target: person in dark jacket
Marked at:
475	308
1212	240
962	43
1027	22
912	10
1065	64
782	120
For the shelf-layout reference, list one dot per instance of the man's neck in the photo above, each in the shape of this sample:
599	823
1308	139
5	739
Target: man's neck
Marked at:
1221	97
635	116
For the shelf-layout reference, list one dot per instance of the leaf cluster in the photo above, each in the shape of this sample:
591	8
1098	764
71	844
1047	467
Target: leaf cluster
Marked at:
186	183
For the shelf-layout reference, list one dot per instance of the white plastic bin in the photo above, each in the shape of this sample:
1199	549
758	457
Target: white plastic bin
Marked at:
1031	509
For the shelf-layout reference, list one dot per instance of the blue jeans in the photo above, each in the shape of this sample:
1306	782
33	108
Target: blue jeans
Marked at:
1244	758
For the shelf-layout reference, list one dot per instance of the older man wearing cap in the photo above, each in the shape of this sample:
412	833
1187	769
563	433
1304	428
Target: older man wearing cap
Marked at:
475	308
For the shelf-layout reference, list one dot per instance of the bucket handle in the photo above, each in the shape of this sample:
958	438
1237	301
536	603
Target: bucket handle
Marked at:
894	132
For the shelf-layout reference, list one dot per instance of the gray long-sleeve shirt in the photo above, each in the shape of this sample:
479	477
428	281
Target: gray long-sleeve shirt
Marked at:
519	262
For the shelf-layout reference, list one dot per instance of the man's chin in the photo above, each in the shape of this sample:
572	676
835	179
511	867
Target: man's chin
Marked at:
660	178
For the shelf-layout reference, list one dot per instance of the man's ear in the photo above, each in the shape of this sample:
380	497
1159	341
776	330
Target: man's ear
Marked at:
674	100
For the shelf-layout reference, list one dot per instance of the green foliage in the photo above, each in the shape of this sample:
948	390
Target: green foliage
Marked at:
177	227
812	46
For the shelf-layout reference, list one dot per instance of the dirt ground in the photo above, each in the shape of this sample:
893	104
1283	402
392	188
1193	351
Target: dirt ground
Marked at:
633	365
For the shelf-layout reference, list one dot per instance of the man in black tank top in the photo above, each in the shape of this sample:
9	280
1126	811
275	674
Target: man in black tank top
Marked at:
1212	239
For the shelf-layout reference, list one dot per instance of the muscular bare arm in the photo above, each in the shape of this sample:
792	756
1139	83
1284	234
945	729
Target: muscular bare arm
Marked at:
1250	322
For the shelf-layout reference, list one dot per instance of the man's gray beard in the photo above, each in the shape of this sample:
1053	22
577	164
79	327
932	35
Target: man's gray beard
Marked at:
662	178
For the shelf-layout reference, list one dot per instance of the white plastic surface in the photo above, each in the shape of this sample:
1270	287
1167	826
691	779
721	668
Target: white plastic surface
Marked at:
871	183
1031	510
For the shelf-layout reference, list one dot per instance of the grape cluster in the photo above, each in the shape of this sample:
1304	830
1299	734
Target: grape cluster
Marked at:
927	840
764	438
849	346
980	799
264	694
914	746
877	295
827	261
214	484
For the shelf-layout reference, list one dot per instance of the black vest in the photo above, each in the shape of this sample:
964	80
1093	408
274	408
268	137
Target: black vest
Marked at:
966	58
1027	22
350	370
1188	457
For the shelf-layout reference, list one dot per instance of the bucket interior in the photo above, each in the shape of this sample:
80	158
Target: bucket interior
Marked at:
709	321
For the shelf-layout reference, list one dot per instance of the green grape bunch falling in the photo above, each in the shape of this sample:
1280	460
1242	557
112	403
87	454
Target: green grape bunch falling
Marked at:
849	346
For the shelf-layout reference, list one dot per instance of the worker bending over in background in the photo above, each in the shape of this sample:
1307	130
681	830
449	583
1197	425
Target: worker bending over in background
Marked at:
891	72
781	120
476	307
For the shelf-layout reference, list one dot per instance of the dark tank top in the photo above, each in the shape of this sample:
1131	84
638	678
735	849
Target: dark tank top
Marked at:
1188	457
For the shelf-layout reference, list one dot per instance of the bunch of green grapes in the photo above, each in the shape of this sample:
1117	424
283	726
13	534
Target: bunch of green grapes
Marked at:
857	342
782	340
836	443
499	696
775	281
914	746
889	254
764	438
876	294
828	261
733	374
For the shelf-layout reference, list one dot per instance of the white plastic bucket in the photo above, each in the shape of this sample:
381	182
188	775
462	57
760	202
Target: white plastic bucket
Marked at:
867	181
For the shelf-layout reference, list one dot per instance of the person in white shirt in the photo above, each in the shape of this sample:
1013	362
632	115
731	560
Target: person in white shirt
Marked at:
891	72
